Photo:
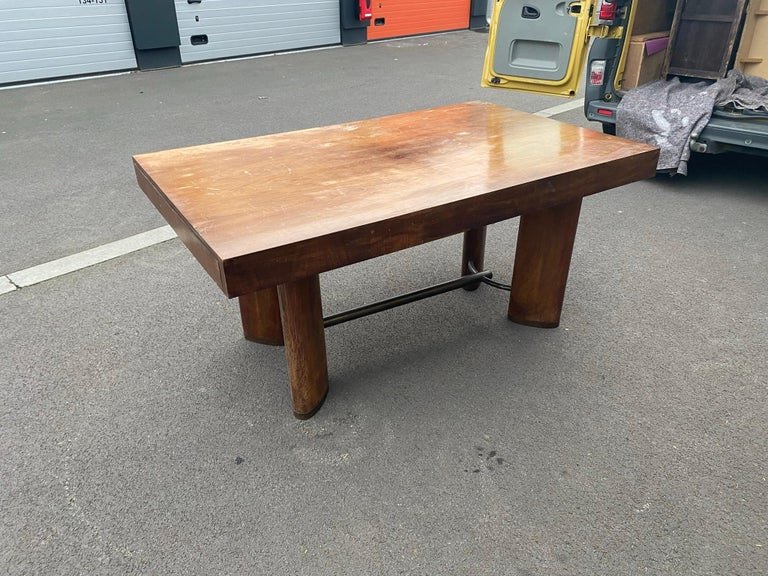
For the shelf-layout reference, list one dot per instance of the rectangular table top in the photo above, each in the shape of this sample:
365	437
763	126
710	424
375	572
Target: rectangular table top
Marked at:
262	211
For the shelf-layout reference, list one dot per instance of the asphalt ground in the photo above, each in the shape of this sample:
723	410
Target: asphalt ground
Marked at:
141	434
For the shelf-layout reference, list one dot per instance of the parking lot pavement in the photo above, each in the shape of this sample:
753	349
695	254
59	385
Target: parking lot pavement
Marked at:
141	434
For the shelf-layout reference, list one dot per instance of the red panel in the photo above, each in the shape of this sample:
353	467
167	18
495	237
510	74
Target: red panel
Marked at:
408	17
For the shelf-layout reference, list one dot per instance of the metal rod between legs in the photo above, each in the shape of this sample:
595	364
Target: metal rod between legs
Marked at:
402	299
487	279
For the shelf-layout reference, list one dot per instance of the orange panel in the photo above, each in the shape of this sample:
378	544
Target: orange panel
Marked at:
407	17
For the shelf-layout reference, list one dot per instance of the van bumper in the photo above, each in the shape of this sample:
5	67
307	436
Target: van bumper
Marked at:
724	132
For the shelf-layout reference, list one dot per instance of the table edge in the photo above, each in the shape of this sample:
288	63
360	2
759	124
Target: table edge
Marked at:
243	274
194	242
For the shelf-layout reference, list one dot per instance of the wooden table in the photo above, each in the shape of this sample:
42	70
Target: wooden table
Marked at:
265	216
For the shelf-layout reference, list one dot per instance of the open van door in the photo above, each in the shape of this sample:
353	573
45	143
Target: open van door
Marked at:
538	45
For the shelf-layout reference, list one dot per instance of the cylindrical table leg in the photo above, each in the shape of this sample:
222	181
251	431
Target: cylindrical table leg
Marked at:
260	314
473	251
542	260
302	313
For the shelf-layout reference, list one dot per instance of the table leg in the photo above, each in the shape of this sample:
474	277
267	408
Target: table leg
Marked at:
301	311
473	251
260	314
543	257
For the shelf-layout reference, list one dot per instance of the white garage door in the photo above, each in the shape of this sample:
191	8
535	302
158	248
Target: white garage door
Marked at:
226	28
50	38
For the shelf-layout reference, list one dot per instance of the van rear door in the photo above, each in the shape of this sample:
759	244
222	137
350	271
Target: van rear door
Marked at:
538	45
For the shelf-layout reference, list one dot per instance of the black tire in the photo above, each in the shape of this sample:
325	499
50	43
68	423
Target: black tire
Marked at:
609	129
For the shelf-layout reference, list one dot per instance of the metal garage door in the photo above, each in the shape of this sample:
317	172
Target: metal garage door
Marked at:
226	28
50	38
393	18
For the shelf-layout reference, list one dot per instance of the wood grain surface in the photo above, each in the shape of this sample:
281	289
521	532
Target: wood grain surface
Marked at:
264	211
260	314
542	261
473	253
301	309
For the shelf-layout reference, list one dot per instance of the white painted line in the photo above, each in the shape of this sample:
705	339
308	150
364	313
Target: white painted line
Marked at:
413	37
97	255
6	285
64	80
560	108
265	55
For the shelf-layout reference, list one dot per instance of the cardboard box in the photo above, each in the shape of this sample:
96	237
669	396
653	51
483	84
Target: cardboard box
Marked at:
653	16
645	59
752	57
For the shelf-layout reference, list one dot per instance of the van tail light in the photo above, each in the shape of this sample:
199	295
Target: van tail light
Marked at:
597	72
607	10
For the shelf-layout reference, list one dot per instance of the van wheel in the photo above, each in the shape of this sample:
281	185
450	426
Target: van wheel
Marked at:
609	129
